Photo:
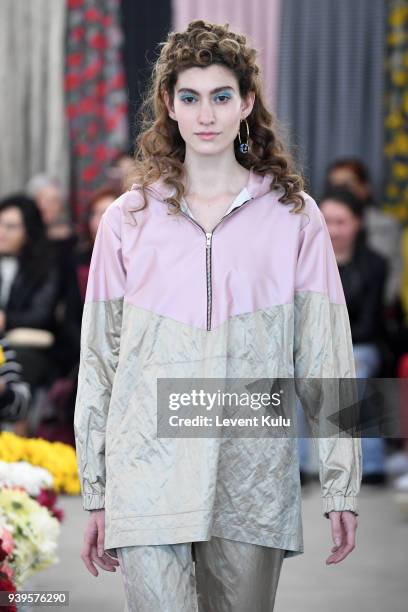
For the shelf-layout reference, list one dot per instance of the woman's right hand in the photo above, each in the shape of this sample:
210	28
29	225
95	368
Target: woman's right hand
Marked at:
94	540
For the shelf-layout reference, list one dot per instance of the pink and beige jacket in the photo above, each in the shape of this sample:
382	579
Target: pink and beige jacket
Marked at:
259	296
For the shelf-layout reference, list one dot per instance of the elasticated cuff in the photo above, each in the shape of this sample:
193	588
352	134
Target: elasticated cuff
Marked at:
93	501
340	503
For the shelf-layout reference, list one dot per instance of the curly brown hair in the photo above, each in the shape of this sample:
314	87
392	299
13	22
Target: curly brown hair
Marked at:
159	147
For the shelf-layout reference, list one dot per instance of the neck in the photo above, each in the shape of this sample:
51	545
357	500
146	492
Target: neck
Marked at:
213	175
344	256
59	231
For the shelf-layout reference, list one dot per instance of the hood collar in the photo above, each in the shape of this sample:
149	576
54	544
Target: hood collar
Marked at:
257	185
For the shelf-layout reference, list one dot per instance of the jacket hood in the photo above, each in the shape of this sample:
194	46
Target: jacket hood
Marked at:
257	185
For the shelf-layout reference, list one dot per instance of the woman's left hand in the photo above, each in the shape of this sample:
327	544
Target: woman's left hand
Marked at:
343	528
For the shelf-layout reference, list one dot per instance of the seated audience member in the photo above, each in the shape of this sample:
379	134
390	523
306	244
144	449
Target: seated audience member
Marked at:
383	232
120	171
98	203
29	281
363	273
47	193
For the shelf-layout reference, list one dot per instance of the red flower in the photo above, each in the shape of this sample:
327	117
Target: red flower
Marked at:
3	553
6	569
47	498
6	541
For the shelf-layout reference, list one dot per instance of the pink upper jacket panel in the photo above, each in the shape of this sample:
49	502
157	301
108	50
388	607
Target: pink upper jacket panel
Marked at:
260	255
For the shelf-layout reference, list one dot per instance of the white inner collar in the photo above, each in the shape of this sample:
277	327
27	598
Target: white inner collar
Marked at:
242	197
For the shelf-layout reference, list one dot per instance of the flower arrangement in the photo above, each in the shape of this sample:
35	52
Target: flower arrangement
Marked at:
29	537
37	481
56	457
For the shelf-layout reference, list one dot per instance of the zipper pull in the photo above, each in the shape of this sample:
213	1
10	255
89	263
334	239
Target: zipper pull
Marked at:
208	234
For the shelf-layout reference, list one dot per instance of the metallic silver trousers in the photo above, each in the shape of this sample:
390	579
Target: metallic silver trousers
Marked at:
218	575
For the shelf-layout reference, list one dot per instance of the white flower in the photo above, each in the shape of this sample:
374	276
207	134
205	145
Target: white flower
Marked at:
22	474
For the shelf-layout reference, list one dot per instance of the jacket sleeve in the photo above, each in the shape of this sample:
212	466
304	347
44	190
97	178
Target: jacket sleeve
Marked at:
323	350
99	353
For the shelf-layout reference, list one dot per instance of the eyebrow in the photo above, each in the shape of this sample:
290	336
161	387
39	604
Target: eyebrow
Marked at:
212	91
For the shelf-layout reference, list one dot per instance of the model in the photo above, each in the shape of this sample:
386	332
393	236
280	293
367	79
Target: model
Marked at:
215	264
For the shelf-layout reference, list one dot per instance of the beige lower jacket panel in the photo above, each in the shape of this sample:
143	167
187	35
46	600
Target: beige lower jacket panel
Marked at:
167	491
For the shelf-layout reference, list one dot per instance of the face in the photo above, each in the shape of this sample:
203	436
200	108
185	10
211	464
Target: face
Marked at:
49	202
125	164
98	209
342	224
208	108
346	177
12	231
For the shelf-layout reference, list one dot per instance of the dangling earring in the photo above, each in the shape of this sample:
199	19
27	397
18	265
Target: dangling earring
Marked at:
243	146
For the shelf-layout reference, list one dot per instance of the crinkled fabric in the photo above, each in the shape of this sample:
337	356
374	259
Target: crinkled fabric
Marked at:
220	575
277	310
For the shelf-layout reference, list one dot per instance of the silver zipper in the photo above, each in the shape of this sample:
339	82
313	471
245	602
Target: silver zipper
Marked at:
208	247
208	271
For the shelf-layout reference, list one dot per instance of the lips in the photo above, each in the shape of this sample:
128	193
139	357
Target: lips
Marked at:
207	135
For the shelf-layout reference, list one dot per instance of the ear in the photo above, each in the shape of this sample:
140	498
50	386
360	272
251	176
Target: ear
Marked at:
169	107
247	104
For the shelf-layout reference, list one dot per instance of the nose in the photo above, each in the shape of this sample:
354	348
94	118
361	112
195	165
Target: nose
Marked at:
206	114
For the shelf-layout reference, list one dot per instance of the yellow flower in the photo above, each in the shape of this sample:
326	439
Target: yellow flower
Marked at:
394	120
400	170
392	191
57	457
398	16
399	77
401	143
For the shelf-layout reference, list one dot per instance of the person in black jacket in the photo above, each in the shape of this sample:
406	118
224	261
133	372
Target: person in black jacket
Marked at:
29	281
363	273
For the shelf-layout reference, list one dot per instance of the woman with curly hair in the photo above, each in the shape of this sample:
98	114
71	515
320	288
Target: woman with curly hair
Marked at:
203	271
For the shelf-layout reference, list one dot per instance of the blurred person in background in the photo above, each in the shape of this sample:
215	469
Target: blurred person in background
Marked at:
120	171
363	273
382	231
29	280
384	234
58	413
49	197
98	203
